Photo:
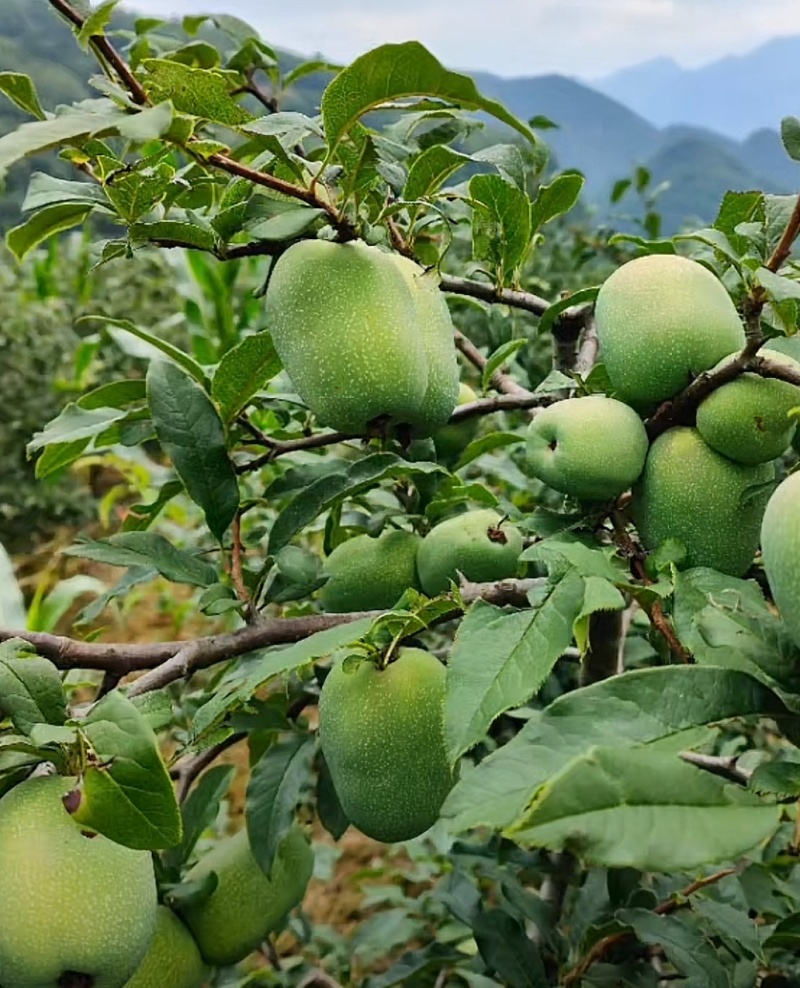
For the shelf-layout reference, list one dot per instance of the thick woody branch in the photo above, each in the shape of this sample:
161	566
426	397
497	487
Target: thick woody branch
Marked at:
489	293
171	661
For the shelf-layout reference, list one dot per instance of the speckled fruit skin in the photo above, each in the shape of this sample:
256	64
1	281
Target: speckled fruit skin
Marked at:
246	904
780	546
747	419
451	440
343	322
382	735
591	448
436	333
173	960
709	503
68	903
661	320
367	574
475	544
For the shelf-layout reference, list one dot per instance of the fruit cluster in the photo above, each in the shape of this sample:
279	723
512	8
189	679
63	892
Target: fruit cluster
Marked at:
54	935
661	321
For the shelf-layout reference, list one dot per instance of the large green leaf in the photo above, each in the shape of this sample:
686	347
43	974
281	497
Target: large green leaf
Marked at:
644	808
636	707
683	944
200	810
192	434
396	71
202	93
43	225
254	672
555	199
501	225
432	168
30	687
273	792
149	550
243	371
20	89
127	794
499	660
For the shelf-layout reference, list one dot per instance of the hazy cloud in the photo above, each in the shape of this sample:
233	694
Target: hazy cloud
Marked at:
585	38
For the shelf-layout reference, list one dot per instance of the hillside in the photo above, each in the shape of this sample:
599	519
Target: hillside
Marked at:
735	95
597	132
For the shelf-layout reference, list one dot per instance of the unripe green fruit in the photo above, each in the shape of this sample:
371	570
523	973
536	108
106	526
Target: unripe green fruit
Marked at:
367	574
451	440
76	909
382	735
436	333
788	345
780	547
592	448
661	320
709	503
747	419
246	904
173	960
474	544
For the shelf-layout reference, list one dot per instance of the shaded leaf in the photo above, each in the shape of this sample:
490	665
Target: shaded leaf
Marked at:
30	687
243	372
148	550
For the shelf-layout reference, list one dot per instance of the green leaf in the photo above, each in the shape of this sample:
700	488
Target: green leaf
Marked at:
96	23
148	124
501	225
150	550
329	810
276	782
485	444
507	951
501	356
780	777
204	93
21	90
286	225
75	423
200	810
47	190
45	612
30	687
127	794
790	135
41	135
188	235
135	193
431	169
550	315
406	970
328	490
514	161
650	797
642	706
193	436
153	341
499	660
242	373
684	946
115	394
250	675
555	199
308	68
396	71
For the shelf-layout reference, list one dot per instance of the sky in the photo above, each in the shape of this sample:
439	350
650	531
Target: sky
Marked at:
583	38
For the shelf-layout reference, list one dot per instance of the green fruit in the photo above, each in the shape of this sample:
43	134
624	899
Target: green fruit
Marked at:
76	909
382	734
451	440
246	904
173	960
474	544
365	336
707	502
747	419
661	320
788	345
436	332
592	448
780	547
367	574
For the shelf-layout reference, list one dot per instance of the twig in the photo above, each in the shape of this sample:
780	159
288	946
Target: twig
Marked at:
499	381
725	766
106	50
784	248
169	661
279	447
587	354
601	948
187	771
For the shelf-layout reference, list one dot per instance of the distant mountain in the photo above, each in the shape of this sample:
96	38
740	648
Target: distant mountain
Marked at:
600	133
735	95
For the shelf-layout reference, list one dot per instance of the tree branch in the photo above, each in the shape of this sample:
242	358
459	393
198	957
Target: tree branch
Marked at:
675	902
784	248
106	51
725	766
489	293
170	661
187	771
